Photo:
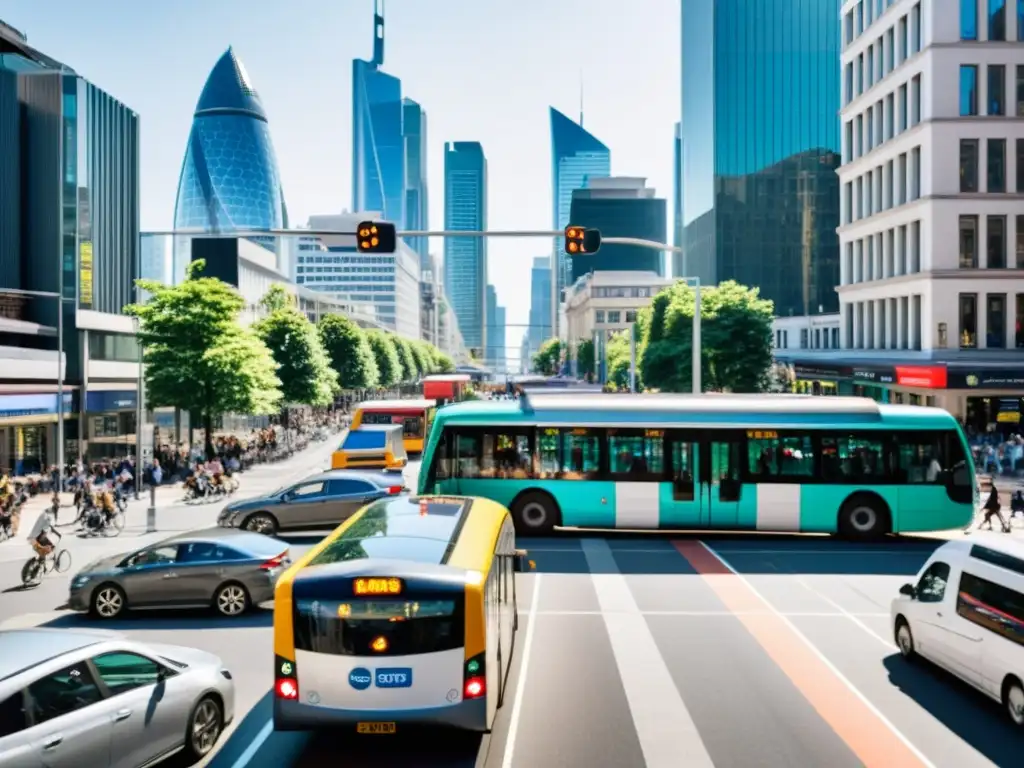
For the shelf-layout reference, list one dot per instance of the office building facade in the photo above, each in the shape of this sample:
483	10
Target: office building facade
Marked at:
619	207
678	264
540	304
496	357
417	208
70	224
576	157
760	145
465	258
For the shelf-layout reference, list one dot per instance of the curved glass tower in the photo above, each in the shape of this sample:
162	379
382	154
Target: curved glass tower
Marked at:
229	179
576	156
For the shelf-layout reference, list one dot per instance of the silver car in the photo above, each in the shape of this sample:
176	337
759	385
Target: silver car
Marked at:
79	699
227	570
320	501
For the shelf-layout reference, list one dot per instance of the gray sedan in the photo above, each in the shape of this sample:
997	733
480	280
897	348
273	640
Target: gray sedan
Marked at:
79	699
228	570
320	501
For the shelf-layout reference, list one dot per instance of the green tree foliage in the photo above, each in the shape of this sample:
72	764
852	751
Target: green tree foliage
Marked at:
410	372
736	335
303	366
442	362
617	355
198	357
548	359
585	359
389	366
349	352
422	353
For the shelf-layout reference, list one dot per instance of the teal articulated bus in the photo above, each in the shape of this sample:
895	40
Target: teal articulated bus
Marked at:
781	463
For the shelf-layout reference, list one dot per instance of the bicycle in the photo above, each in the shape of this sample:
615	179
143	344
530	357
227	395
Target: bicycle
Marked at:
58	560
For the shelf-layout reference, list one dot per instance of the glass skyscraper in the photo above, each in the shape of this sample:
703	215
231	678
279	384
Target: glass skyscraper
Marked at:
465	258
229	178
540	304
677	202
417	214
378	144
575	157
495	357
760	141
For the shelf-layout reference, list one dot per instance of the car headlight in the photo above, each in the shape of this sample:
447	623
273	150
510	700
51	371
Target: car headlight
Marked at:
80	581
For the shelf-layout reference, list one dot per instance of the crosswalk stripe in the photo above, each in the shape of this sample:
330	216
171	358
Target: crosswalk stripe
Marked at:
662	722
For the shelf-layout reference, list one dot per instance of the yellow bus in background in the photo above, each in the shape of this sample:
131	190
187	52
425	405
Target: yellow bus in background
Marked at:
414	416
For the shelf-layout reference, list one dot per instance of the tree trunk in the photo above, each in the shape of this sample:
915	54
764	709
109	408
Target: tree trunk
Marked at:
208	436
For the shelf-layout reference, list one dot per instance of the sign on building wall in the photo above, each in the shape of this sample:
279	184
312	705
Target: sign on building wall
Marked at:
85	274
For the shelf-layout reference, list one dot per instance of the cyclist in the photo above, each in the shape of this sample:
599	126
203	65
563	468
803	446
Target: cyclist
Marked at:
39	539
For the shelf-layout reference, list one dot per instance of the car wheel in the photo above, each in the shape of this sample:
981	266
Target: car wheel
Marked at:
205	725
108	601
261	522
534	513
905	639
1013	697
231	600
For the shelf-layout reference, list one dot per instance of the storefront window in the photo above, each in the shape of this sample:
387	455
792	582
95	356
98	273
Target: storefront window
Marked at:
968	320
968	242
1018	323
995	315
113	347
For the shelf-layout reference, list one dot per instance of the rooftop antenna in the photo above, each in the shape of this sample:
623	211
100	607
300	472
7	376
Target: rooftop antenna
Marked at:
378	32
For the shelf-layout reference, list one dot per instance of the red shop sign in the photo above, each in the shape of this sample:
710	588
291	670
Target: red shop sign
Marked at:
924	376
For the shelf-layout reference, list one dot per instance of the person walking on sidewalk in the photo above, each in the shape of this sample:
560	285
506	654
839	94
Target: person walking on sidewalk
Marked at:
992	509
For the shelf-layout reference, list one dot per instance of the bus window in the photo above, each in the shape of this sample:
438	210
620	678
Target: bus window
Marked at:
580	454
864	458
682	455
370	417
467	454
548	454
507	455
636	454
772	456
412	427
441	465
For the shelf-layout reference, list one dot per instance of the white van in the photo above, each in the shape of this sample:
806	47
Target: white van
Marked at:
966	614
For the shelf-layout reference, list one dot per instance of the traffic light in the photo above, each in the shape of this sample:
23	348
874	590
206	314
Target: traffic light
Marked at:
376	237
579	240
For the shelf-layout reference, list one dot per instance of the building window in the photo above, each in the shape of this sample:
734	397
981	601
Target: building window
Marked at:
903	108
968	320
1020	242
968	19
996	19
968	89
1018	322
803	338
614	316
1020	163
995	320
996	165
1020	88
630	315
599	316
113	347
835	338
1020	19
915	28
995	249
915	170
915	247
915	100
968	242
903	38
969	151
996	89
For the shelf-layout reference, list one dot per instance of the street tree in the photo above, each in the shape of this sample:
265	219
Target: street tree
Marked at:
410	372
617	361
585	359
349	352
548	359
421	352
442	362
303	365
389	366
736	336
198	356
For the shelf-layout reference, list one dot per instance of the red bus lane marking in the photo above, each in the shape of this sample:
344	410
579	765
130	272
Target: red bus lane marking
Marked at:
865	730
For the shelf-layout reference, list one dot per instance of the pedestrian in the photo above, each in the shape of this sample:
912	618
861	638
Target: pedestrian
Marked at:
992	509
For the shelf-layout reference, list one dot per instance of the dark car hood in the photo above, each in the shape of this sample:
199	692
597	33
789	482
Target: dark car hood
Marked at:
258	502
108	563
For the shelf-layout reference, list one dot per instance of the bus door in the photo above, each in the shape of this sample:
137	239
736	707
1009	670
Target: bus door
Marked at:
721	479
681	495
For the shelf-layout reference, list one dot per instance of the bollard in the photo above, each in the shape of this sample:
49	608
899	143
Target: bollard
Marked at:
151	512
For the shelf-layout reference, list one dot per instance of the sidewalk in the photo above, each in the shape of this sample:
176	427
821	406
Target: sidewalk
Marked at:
173	516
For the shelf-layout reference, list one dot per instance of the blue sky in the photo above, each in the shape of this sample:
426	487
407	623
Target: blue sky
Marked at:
485	71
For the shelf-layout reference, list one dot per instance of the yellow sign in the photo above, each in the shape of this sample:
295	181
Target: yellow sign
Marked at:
85	273
378	586
762	435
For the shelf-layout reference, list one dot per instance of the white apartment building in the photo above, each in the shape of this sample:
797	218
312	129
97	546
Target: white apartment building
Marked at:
932	183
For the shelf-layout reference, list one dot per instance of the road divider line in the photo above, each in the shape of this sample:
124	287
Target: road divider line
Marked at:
724	614
517	703
889	644
871	736
255	744
663	724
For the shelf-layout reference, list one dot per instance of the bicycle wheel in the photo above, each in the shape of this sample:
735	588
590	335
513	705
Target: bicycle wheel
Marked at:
62	562
115	526
32	572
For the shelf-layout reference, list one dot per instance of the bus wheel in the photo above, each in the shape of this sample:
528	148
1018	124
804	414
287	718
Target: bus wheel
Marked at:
534	513
864	517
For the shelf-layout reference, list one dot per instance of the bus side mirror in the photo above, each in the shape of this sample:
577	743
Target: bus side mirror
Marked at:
519	561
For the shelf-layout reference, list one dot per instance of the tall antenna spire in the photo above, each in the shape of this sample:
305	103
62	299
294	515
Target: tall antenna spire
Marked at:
378	32
581	98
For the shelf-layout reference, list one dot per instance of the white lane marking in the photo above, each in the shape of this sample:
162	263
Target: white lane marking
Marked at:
843	612
766	612
254	745
517	703
578	551
824	660
663	724
814	552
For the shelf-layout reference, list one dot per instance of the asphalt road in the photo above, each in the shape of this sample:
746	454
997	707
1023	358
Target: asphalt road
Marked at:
633	650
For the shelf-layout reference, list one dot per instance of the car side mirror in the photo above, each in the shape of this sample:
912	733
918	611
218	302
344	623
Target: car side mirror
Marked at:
908	590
